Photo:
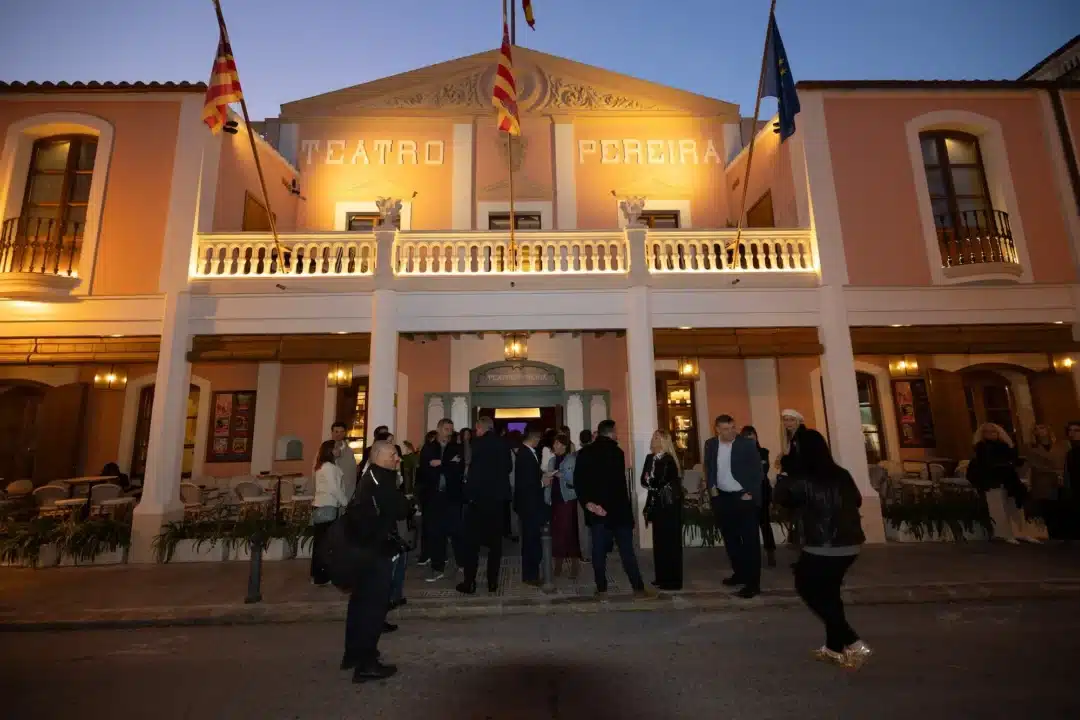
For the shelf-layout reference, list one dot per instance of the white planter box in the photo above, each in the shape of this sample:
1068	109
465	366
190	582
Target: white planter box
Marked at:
47	557
278	549
303	552
185	552
116	557
904	534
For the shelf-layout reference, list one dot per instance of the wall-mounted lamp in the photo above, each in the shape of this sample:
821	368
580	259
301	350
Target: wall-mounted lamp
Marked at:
112	378
1063	363
340	375
515	347
689	368
906	365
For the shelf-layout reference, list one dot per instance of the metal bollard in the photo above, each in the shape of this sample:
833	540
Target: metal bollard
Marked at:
254	591
546	561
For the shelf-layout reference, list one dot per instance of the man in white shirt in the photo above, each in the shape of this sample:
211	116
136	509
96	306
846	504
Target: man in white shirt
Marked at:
344	458
735	480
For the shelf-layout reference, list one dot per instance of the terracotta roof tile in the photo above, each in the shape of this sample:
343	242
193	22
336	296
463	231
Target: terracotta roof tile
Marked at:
95	86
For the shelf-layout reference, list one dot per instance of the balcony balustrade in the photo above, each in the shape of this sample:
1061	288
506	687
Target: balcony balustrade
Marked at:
39	257
976	238
489	253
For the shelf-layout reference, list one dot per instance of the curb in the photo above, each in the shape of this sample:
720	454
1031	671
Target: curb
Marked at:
470	608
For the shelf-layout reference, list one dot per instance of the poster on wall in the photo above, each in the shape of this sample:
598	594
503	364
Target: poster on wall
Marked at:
913	416
234	423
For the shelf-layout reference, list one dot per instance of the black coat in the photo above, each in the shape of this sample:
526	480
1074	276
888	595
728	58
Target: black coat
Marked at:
372	515
488	483
994	466
528	488
452	468
827	502
600	478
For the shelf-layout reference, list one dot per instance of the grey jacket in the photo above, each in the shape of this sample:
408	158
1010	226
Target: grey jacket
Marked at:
566	480
745	465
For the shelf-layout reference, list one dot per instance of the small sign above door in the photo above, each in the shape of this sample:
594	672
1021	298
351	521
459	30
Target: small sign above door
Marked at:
512	375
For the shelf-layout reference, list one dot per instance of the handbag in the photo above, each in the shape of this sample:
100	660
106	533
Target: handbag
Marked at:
342	558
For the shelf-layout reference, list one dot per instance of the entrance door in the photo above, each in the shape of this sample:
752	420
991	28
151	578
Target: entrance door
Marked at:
59	433
18	419
519	419
142	432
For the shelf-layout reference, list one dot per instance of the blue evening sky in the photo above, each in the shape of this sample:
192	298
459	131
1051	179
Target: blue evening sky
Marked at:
291	49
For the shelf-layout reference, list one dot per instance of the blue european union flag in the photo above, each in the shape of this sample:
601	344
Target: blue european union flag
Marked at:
778	80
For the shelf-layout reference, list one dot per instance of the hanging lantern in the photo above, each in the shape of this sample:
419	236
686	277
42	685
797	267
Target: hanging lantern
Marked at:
516	347
340	375
110	379
689	369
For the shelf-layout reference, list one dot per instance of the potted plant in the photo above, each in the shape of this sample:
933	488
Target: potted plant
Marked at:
194	539
31	543
97	541
947	517
699	523
274	536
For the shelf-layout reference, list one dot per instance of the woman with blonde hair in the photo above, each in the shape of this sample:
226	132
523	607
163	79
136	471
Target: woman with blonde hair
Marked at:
992	472
1046	458
663	510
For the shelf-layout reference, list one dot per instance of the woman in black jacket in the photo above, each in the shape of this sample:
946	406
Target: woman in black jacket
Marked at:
663	510
768	540
827	502
992	471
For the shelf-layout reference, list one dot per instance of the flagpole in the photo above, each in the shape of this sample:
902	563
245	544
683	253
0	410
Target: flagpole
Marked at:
753	136
513	22
254	148
510	166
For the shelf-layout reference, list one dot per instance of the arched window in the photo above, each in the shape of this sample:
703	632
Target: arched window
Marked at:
969	229
870	415
52	223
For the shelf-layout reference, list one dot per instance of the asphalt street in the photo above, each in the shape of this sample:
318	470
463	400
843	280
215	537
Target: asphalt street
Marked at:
1015	660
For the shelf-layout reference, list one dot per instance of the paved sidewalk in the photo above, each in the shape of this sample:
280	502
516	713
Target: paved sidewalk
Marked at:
213	593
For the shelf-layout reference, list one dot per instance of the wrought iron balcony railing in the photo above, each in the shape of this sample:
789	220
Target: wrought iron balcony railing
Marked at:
974	237
40	246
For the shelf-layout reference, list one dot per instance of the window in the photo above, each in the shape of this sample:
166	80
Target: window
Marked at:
256	219
660	219
870	417
58	186
761	214
365	222
522	221
959	195
675	412
142	432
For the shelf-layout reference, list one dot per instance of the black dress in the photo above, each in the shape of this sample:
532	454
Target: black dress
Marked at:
661	476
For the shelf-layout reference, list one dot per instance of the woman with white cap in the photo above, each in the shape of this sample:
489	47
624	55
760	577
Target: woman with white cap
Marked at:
788	461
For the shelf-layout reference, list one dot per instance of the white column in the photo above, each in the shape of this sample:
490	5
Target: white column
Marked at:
459	412
185	194
642	379
161	485
267	398
763	389
565	179
575	416
461	188
842	404
382	374
598	410
435	413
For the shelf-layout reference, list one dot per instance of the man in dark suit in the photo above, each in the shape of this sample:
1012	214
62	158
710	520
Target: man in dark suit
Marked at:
735	480
439	482
487	490
529	505
600	480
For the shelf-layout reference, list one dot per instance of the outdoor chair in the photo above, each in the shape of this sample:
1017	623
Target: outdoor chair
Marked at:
47	497
120	508
19	487
249	489
105	491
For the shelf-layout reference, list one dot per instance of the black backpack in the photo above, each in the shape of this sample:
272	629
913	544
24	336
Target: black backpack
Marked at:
342	558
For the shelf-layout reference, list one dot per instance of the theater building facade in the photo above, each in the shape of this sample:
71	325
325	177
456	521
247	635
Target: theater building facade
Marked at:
908	270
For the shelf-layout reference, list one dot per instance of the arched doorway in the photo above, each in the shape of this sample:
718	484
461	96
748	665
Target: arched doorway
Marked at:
19	403
518	393
990	398
142	432
871	418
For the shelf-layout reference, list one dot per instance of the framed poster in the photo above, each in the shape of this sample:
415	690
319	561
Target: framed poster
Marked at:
232	427
913	417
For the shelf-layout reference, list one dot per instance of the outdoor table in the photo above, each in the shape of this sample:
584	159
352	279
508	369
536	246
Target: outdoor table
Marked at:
90	482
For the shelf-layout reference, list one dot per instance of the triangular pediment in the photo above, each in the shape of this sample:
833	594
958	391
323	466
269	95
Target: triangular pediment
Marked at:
547	85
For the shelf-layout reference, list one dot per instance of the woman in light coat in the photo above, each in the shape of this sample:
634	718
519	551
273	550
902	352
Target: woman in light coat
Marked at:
330	500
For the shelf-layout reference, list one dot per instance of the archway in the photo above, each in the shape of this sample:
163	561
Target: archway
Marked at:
137	405
19	403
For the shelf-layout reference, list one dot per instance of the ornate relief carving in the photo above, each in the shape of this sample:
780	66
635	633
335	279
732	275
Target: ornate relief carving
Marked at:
389	212
561	94
518	147
631	208
458	93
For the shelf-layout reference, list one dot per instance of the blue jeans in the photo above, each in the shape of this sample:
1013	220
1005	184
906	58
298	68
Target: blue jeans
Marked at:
397	586
623	536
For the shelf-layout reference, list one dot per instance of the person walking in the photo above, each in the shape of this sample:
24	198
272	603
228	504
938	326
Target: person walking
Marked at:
600	481
440	485
328	502
486	492
663	510
371	526
827	501
735	481
768	539
561	497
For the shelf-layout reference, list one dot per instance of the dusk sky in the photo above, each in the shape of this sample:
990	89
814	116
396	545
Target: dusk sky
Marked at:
290	49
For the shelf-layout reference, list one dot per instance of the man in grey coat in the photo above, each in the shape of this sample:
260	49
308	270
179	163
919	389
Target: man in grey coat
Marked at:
735	481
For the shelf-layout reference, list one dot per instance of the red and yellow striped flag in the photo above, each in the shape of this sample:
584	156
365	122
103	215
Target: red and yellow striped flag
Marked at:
504	94
224	87
526	5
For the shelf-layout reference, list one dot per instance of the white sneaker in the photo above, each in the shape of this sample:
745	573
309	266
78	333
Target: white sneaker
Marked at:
424	563
435	576
857	653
